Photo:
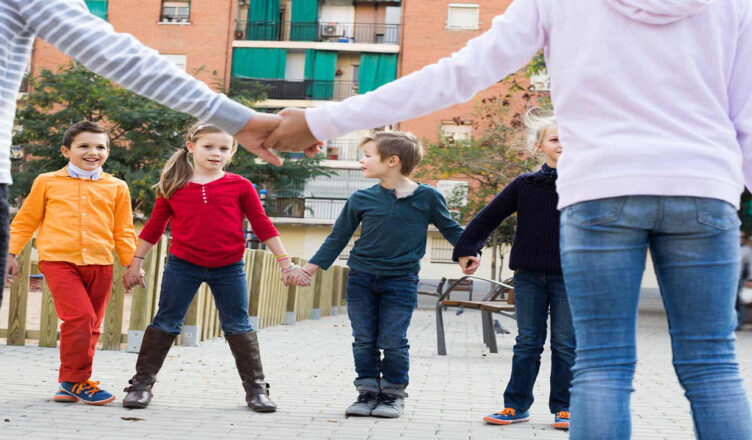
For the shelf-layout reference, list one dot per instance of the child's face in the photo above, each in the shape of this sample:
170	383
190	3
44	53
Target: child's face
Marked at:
211	151
372	164
88	151
550	146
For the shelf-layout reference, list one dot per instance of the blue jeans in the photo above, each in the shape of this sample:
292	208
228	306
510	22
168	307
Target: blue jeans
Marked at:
180	282
380	309
535	293
694	243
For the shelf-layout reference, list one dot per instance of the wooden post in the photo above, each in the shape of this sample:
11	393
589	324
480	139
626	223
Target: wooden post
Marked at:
336	288
255	287
48	319
141	303
113	316
343	297
191	334
19	295
293	292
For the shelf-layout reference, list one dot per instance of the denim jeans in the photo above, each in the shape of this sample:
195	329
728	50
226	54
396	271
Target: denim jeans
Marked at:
380	309
180	282
535	293
694	244
4	233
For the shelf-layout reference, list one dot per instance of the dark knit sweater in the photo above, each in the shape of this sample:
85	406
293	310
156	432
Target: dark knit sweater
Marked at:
536	240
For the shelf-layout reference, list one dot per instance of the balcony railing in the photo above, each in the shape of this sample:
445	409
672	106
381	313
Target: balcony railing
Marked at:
373	33
305	89
322	209
343	149
171	18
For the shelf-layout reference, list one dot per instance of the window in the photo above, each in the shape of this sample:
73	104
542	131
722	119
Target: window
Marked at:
540	82
462	16
441	250
452	131
346	251
180	61
175	11
454	191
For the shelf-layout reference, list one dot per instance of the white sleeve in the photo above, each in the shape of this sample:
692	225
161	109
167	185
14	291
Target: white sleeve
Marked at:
740	93
513	39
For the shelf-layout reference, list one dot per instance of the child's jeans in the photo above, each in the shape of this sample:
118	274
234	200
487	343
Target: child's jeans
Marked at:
180	282
80	294
694	244
380	309
535	294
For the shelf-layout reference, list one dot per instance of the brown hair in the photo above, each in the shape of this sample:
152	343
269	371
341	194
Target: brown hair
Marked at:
178	170
402	144
83	127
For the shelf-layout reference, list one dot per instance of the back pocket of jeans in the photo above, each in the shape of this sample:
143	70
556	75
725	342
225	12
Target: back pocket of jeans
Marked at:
716	213
597	212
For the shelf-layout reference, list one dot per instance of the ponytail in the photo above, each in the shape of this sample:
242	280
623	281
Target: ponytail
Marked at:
176	173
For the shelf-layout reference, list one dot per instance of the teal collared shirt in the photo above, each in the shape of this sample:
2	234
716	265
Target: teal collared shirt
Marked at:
393	230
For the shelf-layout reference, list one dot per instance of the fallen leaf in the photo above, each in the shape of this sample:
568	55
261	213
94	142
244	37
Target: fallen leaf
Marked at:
132	419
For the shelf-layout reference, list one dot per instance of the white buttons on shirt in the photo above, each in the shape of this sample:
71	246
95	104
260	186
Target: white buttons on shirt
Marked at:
83	213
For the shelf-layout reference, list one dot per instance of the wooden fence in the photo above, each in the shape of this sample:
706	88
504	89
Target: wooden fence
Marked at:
270	302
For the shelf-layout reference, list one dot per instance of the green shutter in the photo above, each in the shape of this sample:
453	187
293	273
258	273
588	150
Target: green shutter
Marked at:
263	20
98	8
376	69
320	67
305	14
258	63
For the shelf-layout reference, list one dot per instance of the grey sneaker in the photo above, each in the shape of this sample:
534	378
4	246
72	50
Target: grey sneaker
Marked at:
363	406
389	406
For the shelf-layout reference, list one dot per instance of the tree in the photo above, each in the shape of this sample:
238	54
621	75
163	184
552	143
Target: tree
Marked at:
143	133
488	161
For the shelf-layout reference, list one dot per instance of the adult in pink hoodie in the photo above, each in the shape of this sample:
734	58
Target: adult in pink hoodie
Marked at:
654	104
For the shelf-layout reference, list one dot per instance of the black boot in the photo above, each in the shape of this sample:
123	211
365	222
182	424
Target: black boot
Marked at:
154	348
245	349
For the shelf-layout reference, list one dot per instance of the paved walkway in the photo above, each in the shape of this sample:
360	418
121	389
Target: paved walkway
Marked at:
310	368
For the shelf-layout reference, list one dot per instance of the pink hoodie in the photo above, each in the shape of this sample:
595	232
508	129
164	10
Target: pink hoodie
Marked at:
653	97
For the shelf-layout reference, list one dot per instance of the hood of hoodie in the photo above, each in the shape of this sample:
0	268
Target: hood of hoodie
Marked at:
658	11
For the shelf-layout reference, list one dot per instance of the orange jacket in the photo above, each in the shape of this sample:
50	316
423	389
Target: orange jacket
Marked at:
80	221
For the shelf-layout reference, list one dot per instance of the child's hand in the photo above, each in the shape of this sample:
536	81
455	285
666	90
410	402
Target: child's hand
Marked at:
133	277
469	264
11	269
310	269
295	275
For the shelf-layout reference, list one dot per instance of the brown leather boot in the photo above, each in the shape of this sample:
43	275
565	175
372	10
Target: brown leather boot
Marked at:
154	348
245	349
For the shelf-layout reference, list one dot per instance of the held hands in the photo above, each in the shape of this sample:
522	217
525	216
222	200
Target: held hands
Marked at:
469	264
294	275
293	134
134	276
11	269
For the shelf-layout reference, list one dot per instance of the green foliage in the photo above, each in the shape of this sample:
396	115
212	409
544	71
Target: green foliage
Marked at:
536	65
144	134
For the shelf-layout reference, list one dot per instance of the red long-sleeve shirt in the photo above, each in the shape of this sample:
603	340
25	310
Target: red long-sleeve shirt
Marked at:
207	221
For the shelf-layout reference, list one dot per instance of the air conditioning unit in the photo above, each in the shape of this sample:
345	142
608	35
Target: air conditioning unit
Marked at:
330	30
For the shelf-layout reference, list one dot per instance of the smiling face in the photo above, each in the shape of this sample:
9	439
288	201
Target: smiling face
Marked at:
211	151
549	144
372	164
88	150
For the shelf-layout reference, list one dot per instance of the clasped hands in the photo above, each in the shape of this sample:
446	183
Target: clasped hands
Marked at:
285	131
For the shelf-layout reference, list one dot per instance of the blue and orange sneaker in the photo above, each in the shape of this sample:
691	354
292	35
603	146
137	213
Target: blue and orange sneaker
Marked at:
507	416
561	420
63	397
87	391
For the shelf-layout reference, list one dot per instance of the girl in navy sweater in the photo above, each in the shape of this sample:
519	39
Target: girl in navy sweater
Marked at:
538	282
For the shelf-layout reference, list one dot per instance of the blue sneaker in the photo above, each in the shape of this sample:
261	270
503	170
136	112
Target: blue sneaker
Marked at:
63	397
507	416
87	391
561	420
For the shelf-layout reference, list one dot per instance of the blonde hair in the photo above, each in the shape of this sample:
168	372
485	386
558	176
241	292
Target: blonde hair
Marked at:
402	144
537	121
178	170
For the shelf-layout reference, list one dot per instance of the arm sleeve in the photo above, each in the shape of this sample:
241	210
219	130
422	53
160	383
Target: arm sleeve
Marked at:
512	41
254	211
740	93
450	229
124	234
29	217
488	219
68	26
343	229
157	223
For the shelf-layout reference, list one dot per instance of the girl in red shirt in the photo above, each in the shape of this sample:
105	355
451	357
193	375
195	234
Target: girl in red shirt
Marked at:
205	206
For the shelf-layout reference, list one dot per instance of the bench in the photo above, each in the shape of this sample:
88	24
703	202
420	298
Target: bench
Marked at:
500	300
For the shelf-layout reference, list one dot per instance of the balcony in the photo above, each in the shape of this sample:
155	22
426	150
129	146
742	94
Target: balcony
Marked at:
366	33
343	149
302	90
321	209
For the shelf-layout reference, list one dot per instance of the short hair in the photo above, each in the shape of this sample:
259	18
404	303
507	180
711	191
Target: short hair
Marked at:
402	144
83	127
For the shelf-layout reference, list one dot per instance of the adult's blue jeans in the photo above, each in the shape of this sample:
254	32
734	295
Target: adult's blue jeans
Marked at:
694	244
380	309
535	293
180	282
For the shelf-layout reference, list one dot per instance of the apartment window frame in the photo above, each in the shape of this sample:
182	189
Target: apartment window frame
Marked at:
180	60
175	16
455	24
452	132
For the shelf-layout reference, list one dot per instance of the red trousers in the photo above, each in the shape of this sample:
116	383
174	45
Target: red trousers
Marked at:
80	294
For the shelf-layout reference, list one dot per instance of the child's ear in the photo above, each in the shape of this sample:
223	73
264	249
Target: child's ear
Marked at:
189	146
394	161
65	151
